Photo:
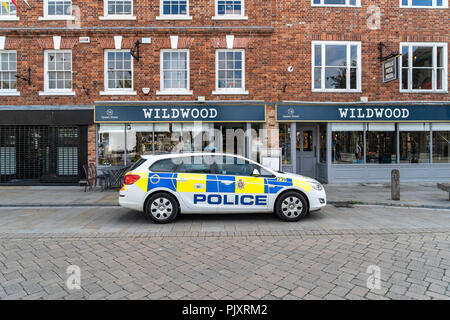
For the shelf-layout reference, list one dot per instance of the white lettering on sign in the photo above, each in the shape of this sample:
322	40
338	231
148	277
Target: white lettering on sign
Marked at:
182	113
373	113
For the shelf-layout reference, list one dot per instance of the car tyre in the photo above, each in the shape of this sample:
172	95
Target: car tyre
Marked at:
291	206
161	208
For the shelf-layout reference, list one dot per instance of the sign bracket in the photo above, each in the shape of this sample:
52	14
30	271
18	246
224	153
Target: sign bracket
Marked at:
381	45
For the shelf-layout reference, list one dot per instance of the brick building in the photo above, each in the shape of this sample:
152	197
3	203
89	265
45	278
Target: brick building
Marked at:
155	68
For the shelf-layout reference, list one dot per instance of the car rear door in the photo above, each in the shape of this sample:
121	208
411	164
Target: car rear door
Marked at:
195	183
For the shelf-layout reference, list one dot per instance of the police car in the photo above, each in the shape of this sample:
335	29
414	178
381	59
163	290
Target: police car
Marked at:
162	186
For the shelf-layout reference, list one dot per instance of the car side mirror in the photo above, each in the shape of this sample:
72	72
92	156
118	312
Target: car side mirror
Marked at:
256	173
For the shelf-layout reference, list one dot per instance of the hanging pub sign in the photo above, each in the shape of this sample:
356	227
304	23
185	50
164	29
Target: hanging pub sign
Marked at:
390	69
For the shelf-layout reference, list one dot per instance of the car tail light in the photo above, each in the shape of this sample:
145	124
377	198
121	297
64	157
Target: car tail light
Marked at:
131	179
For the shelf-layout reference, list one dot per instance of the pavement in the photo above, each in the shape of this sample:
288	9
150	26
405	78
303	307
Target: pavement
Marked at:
425	195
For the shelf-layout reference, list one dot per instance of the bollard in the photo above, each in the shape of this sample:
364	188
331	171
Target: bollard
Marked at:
395	184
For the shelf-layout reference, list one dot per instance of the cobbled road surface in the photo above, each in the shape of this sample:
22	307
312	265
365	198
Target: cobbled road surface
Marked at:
121	255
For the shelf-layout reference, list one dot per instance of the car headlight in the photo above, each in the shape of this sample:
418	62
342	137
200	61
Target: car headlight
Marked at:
316	185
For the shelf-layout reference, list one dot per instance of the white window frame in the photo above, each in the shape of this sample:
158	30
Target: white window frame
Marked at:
114	91
433	6
107	16
47	17
241	16
9	17
434	68
231	91
56	92
164	91
163	16
9	92
322	75
347	4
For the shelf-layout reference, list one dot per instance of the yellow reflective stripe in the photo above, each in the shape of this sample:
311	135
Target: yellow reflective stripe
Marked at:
194	182
302	185
251	185
143	181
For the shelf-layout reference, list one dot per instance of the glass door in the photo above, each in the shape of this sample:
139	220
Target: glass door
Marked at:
306	150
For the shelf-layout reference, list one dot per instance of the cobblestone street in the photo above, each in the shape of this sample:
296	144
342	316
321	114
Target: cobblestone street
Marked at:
326	256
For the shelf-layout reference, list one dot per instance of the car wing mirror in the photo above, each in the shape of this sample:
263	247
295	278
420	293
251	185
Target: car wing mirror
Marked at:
256	173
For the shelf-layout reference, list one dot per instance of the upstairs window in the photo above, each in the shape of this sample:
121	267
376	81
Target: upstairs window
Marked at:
119	70
8	71
174	8
424	4
175	71
7	9
230	8
336	66
119	7
58	8
230	71
58	70
337	3
423	67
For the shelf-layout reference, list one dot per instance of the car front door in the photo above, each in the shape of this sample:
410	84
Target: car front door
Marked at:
240	188
195	185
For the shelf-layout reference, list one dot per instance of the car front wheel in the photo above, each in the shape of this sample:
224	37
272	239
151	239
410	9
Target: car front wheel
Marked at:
161	208
291	206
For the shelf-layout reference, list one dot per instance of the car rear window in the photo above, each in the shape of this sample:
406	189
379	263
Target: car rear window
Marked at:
137	164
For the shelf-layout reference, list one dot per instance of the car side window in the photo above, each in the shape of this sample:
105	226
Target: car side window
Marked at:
165	165
234	166
194	165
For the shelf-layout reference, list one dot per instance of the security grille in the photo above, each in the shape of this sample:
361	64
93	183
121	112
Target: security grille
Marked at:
40	154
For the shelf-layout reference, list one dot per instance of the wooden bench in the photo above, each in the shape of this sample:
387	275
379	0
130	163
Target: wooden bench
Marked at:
445	187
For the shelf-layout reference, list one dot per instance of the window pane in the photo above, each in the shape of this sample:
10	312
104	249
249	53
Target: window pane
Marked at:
317	55
111	144
441	146
347	147
353	78
405	51
334	1
414	147
440	79
335	78
405	80
335	55
381	147
427	3
422	57
422	79
440	56
317	78
285	142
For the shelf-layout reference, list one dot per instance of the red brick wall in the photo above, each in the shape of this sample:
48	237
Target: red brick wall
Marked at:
268	54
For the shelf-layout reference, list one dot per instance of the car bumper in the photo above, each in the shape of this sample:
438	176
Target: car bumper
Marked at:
317	200
128	203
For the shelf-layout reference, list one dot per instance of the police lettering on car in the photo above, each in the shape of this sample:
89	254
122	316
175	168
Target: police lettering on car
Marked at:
162	186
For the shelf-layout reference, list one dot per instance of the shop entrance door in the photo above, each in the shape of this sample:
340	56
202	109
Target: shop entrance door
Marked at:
306	155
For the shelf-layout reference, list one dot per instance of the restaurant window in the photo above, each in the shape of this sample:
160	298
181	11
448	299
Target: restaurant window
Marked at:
347	143
424	4
7	9
336	66
332	3
285	142
111	144
414	142
423	67
139	141
441	142
381	143
323	144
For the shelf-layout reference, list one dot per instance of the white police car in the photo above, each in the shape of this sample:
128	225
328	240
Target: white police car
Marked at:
163	186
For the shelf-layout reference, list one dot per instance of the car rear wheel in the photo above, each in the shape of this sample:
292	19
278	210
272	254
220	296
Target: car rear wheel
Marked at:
161	208
291	206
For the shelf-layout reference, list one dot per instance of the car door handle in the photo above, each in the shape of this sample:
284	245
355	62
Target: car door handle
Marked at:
227	182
